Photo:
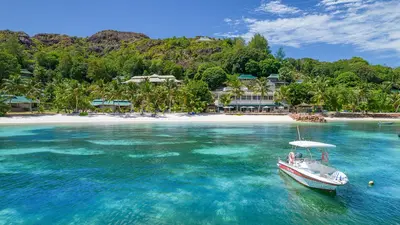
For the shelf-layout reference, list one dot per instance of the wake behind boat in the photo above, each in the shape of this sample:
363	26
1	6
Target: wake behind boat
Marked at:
309	171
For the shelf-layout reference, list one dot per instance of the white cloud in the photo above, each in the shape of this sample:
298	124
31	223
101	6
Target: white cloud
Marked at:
232	22
372	26
277	7
338	2
227	20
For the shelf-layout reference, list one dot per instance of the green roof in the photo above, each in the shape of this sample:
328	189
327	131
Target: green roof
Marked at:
274	75
99	102
18	99
247	77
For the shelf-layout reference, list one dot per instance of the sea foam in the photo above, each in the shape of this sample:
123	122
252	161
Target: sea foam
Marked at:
155	155
77	151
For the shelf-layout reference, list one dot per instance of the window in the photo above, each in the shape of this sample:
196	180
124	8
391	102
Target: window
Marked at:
265	97
271	97
256	97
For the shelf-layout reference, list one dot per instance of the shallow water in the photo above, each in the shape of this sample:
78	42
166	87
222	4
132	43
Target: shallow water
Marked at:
192	174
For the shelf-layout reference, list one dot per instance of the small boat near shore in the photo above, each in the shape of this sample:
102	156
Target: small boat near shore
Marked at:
309	171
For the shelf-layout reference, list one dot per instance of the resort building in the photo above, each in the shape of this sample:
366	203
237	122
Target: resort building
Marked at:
20	103
155	79
204	39
113	105
250	101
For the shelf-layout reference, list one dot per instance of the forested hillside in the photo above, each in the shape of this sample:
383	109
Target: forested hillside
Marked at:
69	72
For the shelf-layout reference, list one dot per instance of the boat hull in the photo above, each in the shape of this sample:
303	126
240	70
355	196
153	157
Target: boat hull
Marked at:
306	180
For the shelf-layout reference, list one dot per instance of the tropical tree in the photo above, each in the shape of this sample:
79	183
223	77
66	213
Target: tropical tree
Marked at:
286	74
130	94
15	85
259	42
319	87
33	91
396	101
280	54
171	90
235	88
282	94
77	91
214	77
143	98
225	99
157	99
99	90
115	91
4	107
8	65
261	87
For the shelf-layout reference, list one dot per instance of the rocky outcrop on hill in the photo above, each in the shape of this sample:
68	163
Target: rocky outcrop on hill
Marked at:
308	118
103	40
52	39
108	40
22	37
115	37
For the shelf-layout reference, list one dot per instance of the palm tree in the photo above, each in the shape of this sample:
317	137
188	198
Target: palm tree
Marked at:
115	91
261	87
4	107
130	93
171	89
99	90
76	89
318	92
281	95
235	88
225	99
15	85
145	90
396	101
32	91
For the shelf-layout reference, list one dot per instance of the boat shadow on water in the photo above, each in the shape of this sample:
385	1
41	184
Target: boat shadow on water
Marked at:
313	199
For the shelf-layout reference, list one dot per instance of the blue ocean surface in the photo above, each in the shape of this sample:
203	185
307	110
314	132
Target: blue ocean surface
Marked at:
192	174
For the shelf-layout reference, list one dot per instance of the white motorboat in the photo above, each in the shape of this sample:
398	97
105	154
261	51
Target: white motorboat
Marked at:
309	171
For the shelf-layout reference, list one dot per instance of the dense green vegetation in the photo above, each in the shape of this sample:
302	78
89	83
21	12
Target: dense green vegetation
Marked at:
69	72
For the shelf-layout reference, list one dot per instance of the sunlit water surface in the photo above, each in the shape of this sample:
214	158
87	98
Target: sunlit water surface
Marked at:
192	174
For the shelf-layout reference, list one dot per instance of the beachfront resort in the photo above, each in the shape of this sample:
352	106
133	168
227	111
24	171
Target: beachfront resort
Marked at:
124	128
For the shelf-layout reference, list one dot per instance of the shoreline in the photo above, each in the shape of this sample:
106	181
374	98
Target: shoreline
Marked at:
138	119
167	118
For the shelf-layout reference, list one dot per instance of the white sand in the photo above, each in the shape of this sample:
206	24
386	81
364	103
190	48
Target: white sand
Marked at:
135	118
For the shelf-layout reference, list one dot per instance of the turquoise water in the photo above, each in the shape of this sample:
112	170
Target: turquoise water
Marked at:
192	174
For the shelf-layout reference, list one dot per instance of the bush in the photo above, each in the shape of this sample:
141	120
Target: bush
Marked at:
4	107
83	114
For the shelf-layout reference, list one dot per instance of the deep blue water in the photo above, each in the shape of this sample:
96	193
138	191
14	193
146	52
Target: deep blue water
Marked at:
192	174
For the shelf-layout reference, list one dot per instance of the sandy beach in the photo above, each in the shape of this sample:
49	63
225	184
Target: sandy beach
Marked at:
167	118
136	118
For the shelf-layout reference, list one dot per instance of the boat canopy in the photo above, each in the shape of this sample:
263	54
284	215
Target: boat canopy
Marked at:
311	144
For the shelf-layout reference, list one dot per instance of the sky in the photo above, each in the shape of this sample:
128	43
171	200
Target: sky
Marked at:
326	30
